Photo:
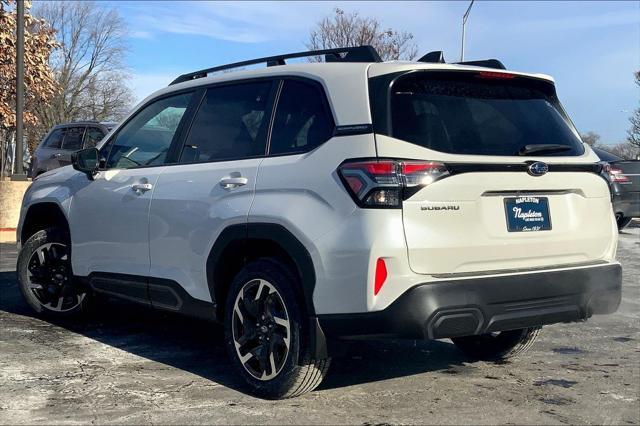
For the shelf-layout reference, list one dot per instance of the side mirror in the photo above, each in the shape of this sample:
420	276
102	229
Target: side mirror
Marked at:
86	161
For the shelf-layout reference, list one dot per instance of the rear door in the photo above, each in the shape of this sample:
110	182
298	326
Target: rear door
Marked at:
213	184
495	210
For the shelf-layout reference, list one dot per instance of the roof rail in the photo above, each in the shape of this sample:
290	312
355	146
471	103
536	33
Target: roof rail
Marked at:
351	54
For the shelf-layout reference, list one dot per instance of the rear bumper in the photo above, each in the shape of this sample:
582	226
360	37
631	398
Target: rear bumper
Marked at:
480	305
627	203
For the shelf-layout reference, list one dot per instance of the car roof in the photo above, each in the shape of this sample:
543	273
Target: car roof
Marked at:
345	82
606	155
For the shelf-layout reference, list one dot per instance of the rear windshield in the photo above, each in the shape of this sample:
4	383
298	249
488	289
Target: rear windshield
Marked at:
479	114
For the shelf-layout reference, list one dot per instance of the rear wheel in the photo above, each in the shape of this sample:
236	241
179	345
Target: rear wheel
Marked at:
266	334
45	276
499	346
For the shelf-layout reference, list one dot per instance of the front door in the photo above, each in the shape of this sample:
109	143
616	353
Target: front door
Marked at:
71	143
110	216
212	186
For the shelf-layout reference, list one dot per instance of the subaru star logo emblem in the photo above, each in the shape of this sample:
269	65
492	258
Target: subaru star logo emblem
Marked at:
538	168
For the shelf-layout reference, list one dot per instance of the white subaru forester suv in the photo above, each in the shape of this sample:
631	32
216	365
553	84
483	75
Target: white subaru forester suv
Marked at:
301	204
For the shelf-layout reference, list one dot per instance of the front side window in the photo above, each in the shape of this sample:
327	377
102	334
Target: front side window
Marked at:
145	140
54	140
230	124
302	121
73	138
480	114
92	136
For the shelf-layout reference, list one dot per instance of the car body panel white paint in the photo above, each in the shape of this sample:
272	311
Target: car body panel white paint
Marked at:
304	194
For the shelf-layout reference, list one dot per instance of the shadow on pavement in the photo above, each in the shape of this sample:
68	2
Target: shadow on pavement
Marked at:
197	346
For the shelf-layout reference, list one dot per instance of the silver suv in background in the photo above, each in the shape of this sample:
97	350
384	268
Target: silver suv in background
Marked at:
64	139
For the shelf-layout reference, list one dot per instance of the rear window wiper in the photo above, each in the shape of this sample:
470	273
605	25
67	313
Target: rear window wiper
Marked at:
539	148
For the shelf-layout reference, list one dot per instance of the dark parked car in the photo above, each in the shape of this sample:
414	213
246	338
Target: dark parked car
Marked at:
624	181
62	140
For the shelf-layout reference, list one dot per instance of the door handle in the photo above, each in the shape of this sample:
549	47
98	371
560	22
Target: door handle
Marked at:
141	187
233	182
57	155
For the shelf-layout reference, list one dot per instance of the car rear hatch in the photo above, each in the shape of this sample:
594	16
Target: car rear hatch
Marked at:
515	189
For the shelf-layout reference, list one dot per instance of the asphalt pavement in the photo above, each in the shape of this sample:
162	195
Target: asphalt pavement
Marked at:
128	364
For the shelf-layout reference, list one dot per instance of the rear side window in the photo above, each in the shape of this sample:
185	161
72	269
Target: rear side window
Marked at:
476	114
302	121
73	138
54	140
230	124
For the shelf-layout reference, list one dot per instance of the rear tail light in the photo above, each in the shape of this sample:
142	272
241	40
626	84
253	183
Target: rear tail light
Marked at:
615	174
385	183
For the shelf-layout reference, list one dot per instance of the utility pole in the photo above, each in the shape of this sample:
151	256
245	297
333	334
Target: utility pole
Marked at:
19	172
464	23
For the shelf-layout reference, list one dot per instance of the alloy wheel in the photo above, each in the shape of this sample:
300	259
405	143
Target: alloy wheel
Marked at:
50	280
261	329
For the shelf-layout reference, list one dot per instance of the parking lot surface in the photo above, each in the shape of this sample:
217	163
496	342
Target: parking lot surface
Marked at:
128	364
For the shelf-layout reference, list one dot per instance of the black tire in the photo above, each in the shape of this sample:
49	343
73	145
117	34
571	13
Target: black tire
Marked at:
622	221
501	346
296	371
59	296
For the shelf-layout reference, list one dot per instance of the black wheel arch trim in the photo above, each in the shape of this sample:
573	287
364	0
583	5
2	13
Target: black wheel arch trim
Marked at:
240	236
40	215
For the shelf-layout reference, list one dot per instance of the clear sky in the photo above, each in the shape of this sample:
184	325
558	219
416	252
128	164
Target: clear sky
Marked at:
591	48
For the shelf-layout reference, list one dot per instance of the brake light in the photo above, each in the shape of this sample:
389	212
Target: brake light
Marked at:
495	75
385	183
615	174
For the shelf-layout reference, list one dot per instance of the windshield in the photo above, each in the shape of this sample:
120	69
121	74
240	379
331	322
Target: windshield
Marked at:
480	114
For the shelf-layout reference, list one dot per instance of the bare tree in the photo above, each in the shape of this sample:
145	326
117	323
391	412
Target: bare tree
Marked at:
623	149
591	138
350	29
89	65
634	132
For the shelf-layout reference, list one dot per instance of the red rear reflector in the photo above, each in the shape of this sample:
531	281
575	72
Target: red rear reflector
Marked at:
496	75
381	276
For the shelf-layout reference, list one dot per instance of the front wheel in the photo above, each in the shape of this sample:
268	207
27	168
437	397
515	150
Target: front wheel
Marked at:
622	221
45	277
266	334
499	346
